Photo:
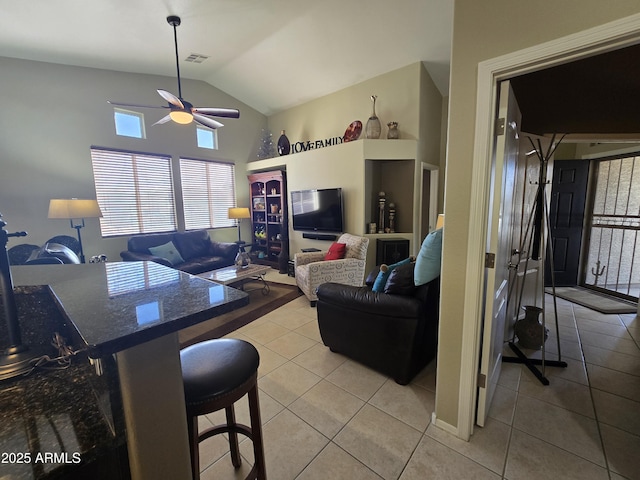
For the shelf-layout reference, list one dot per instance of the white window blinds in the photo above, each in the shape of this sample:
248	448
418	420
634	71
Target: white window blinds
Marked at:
134	191
208	191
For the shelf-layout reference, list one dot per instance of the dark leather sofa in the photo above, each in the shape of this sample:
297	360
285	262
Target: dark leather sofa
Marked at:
199	252
393	333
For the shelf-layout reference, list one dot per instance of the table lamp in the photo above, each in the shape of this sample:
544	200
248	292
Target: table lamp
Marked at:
238	213
77	209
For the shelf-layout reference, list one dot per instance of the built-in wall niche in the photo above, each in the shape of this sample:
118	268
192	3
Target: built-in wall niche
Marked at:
396	178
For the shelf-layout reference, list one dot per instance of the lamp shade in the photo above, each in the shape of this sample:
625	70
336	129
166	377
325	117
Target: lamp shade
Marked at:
239	212
73	208
440	221
180	116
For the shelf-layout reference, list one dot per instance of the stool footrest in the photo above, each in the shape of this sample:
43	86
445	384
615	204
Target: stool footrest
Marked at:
218	429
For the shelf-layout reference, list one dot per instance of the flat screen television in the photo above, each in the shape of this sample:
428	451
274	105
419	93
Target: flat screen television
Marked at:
317	210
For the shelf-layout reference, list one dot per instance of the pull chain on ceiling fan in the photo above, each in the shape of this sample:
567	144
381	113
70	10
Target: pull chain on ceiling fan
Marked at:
182	111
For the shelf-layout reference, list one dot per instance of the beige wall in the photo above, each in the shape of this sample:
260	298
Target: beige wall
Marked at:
484	31
407	96
53	114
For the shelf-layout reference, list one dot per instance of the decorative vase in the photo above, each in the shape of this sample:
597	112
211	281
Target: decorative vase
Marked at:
393	130
530	332
284	147
373	128
242	259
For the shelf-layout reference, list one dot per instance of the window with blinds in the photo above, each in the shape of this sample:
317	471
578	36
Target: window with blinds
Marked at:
208	191
134	191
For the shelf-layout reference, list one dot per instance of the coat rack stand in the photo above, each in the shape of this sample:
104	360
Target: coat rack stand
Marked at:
538	234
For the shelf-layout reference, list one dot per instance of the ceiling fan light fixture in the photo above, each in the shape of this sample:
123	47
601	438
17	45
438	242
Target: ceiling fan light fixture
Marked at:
181	117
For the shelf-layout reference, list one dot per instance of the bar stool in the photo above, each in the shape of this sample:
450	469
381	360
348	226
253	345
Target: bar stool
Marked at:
216	374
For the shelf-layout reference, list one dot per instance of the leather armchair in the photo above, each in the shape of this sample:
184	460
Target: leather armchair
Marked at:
312	269
395	334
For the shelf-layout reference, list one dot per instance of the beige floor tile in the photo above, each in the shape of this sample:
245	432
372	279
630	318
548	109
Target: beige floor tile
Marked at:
310	330
265	332
357	379
434	460
531	458
597	326
326	407
378	440
510	374
568	430
289	446
288	382
612	381
612	360
333	463
427	377
269	360
562	393
617	344
223	469
212	450
290	344
269	408
409	403
291	318
584	313
503	405
617	411
487	446
320	360
622	451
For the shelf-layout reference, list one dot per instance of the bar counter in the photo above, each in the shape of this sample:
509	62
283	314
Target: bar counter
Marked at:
124	317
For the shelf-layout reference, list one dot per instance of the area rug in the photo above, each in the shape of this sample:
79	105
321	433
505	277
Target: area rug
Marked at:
595	300
259	305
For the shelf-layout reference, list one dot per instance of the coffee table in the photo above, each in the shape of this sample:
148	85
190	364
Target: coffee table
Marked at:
237	276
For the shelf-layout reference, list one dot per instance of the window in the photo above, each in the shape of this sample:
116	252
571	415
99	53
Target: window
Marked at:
208	191
134	191
207	138
129	124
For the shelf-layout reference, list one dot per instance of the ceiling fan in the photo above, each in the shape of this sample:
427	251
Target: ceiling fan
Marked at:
182	111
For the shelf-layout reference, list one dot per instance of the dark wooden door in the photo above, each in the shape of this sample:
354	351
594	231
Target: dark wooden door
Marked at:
566	216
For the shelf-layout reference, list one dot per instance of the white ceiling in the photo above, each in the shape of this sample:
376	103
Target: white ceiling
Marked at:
270	54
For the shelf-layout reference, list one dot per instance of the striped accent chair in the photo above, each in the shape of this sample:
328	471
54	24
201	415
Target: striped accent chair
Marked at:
312	269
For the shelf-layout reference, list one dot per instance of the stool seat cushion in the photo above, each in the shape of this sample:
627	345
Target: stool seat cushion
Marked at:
216	367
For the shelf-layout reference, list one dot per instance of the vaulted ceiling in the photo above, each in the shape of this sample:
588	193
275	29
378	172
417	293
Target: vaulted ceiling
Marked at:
275	54
269	54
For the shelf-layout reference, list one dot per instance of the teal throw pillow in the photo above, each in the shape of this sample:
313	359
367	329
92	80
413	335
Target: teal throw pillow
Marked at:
429	259
383	275
167	251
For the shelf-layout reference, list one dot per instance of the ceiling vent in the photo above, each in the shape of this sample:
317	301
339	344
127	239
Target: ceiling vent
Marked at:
196	58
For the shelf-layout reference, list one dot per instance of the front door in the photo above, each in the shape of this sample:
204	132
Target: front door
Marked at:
566	216
499	237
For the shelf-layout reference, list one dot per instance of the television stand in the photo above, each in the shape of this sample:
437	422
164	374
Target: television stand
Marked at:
318	236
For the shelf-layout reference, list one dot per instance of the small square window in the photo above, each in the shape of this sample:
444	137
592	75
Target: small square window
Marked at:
129	124
207	138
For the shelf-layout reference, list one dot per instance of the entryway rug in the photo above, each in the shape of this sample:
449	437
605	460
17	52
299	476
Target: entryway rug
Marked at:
259	305
595	300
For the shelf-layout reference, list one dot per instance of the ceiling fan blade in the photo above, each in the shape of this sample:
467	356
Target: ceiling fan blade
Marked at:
217	112
164	119
118	104
206	121
171	98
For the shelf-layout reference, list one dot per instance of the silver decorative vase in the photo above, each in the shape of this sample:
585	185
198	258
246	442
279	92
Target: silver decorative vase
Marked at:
374	127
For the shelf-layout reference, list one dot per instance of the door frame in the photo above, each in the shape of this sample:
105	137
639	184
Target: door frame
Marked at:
603	38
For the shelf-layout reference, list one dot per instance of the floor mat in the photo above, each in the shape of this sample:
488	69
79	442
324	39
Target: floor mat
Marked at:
594	300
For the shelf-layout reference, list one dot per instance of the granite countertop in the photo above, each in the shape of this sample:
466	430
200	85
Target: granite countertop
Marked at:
99	309
54	421
117	305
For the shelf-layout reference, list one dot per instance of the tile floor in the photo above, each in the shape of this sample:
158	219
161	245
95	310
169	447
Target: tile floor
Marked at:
327	417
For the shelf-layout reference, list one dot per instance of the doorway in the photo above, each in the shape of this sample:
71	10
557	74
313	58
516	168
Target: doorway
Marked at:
609	37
